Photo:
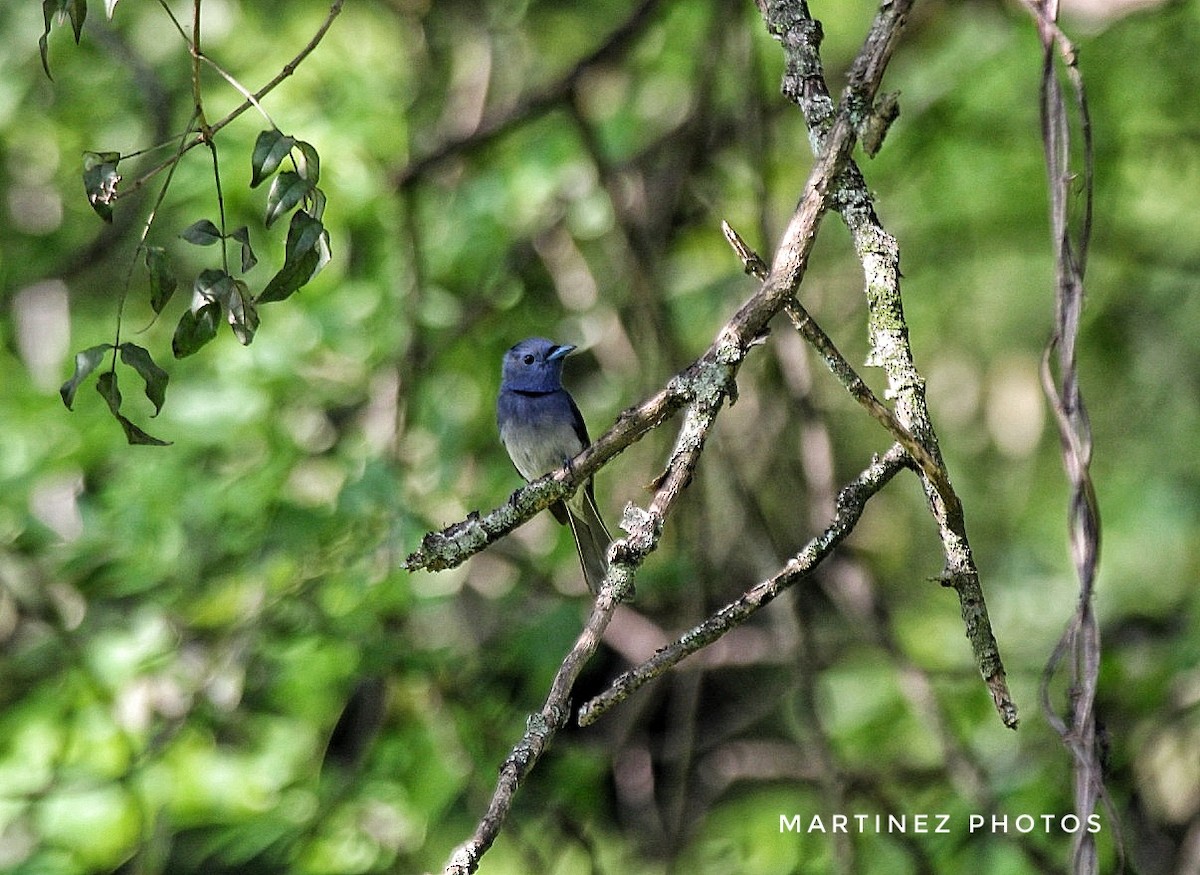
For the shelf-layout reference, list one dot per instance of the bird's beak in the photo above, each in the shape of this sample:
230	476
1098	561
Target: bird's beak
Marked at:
560	352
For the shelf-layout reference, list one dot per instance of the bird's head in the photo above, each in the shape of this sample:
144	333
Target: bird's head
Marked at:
535	365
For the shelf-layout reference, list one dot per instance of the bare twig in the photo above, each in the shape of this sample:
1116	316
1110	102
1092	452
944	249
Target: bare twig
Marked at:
238	87
540	728
844	371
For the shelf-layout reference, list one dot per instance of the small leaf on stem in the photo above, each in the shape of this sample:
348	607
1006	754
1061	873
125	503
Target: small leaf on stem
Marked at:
270	149
242	235
155	377
100	179
211	286
307	251
286	192
309	163
162	278
202	233
316	204
85	362
49	8
77	12
106	385
243	315
195	329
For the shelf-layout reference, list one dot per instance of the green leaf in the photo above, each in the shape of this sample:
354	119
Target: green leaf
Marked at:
85	362
309	165
306	252
316	204
243	315
49	9
77	11
155	377
290	278
270	149
135	435
324	254
303	234
286	192
106	385
162	279
249	259
100	179
202	233
195	329
211	286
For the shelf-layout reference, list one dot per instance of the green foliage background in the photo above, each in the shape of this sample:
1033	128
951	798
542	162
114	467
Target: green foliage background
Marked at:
180	627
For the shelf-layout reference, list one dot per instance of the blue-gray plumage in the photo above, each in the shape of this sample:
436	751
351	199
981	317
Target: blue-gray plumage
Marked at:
541	427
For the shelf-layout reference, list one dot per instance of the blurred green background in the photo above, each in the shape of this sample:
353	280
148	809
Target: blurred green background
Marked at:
181	627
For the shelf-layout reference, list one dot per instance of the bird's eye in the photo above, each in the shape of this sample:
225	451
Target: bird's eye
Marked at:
528	359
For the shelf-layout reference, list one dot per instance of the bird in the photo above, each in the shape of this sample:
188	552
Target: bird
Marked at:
541	428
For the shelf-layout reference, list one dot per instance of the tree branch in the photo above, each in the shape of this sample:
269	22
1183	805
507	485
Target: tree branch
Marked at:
714	371
843	370
803	83
851	501
537	103
703	387
540	729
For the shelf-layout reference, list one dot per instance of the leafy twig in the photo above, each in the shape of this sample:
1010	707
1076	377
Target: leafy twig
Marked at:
288	69
216	293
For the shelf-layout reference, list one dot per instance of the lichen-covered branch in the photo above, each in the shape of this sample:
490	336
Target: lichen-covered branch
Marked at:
702	388
459	541
852	499
456	543
843	370
540	729
803	83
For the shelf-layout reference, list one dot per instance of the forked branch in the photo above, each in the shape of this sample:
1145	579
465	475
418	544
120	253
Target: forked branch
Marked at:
701	390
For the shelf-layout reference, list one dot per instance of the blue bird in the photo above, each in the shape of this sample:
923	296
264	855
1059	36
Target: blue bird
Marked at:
541	427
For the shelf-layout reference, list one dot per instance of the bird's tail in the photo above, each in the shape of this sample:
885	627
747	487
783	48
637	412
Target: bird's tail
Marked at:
591	538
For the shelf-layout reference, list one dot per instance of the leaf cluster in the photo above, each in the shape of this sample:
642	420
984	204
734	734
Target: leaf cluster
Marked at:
61	10
217	293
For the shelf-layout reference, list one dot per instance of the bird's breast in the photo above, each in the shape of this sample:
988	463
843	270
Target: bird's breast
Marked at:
538	431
